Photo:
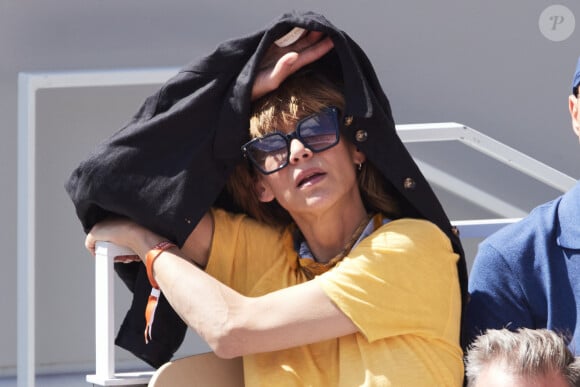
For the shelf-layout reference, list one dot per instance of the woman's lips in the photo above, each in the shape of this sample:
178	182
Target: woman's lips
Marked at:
310	178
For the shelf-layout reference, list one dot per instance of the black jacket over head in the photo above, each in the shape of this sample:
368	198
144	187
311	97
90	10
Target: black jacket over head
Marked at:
170	163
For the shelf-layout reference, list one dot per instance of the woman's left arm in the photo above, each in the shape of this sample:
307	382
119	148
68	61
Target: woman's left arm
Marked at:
235	325
232	324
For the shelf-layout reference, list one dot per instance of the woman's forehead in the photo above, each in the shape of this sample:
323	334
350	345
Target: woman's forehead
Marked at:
278	121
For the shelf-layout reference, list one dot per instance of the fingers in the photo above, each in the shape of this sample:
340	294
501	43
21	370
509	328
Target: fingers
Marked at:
312	53
126	258
269	79
123	233
312	39
90	243
306	50
99	232
309	39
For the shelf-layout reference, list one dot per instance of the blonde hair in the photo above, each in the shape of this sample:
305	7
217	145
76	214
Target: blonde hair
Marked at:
527	352
301	95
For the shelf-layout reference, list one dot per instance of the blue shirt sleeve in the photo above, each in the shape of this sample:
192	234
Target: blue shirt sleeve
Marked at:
497	299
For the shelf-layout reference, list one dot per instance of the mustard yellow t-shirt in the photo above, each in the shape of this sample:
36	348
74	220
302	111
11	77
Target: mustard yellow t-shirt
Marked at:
399	285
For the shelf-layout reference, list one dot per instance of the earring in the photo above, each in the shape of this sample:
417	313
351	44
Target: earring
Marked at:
360	166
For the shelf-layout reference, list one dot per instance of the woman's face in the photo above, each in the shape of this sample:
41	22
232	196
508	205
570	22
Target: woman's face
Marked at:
313	182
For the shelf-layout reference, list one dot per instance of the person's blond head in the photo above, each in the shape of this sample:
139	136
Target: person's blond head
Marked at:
528	353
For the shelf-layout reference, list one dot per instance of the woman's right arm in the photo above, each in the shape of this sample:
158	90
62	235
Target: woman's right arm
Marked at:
277	64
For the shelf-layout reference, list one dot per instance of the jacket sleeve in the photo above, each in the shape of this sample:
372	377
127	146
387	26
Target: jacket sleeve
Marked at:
166	167
497	299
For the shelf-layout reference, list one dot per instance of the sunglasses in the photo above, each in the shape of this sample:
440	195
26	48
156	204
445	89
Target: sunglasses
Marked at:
271	153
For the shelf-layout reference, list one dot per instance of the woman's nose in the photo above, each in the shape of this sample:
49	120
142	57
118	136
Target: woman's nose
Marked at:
298	151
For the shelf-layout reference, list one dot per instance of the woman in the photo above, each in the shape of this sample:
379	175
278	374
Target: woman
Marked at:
319	281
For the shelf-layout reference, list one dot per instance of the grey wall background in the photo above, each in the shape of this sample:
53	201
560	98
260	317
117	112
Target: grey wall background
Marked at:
485	64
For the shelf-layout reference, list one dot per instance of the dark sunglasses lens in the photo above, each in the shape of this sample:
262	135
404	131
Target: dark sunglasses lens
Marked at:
268	153
320	131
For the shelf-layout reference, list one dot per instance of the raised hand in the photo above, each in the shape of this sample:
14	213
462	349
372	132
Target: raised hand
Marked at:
280	62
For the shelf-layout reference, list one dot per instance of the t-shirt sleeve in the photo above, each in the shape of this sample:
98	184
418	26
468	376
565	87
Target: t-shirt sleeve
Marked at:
242	250
402	279
496	296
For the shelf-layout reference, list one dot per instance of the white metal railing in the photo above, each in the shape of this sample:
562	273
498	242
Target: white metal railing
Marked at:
452	131
481	228
105	374
28	86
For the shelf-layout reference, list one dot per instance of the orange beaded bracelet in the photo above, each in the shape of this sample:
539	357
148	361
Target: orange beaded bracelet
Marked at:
150	257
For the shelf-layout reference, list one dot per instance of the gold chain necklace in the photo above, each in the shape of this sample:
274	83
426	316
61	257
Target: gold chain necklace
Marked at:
311	268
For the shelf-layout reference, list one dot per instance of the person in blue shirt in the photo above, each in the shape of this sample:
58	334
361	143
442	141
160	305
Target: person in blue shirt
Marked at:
528	274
